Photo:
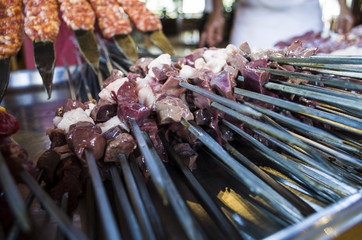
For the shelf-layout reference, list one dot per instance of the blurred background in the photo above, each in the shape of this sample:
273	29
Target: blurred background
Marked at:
183	20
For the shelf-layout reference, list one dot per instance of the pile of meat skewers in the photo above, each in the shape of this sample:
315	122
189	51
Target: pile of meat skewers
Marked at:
151	94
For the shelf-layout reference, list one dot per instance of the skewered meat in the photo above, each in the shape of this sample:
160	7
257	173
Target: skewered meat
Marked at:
11	28
254	79
111	19
41	21
142	18
78	15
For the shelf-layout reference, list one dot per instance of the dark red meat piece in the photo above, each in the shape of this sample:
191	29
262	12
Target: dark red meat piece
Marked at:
254	79
8	124
132	110
123	143
222	83
127	93
103	111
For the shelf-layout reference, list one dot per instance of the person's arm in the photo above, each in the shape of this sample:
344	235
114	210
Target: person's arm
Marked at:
345	20
213	32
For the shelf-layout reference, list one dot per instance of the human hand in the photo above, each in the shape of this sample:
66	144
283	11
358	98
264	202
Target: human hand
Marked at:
213	31
344	22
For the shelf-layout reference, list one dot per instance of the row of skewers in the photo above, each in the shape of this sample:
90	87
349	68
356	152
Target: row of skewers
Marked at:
41	23
320	157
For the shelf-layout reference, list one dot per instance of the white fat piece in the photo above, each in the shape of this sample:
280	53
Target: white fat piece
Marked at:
113	122
112	88
187	71
72	117
160	60
215	59
144	92
90	108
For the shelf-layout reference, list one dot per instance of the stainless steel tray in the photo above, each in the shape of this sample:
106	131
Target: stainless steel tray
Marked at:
27	100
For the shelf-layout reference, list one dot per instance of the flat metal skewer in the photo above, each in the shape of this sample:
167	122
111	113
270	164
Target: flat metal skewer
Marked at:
15	230
198	190
341	122
59	216
152	213
166	187
353	104
332	59
284	164
255	184
109	222
124	204
13	196
222	100
136	199
5	76
305	129
343	83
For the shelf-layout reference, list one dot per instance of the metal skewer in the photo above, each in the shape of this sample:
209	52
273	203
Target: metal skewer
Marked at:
353	104
4	78
60	217
341	122
198	190
331	59
150	208
254	184
343	83
165	186
109	222
15	230
13	196
136	200
124	204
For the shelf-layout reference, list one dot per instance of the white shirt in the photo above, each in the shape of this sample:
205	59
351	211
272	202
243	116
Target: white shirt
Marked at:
262	23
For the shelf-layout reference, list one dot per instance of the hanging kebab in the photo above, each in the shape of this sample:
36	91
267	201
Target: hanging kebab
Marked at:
114	24
147	22
11	38
41	25
80	18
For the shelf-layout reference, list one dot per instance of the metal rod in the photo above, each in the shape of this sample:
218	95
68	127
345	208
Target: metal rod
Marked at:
341	122
305	129
109	222
147	201
15	230
63	206
279	133
232	104
284	164
320	59
91	208
254	184
300	204
335	67
58	215
200	192
343	83
353	104
124	204
13	196
136	200
341	216
166	187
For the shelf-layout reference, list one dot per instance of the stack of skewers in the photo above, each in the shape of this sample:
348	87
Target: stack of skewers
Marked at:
274	125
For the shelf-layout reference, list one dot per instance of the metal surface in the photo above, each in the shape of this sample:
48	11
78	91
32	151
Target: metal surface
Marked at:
27	100
127	46
44	56
89	48
160	40
4	79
